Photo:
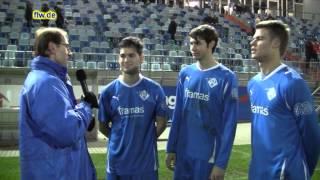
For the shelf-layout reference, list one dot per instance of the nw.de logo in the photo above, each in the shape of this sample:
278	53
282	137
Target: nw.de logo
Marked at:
39	15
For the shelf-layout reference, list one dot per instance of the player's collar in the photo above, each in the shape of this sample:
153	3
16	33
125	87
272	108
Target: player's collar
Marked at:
273	72
132	85
213	67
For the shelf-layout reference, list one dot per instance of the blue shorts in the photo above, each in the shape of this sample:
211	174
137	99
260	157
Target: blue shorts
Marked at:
192	169
149	176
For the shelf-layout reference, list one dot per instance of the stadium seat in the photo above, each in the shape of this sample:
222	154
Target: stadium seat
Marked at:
75	45
94	45
146	52
238	56
86	50
182	53
24	45
3	43
159	47
101	65
92	65
70	65
5	29
2	17
166	67
25	35
11	52
144	67
155	67
8	63
173	53
79	64
77	56
14	36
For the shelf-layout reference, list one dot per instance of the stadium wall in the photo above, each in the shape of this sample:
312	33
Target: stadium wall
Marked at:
311	9
11	80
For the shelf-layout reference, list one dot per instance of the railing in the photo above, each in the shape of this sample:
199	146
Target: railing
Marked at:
315	91
314	94
8	58
310	71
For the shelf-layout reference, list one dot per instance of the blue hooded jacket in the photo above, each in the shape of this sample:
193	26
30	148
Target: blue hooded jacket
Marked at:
52	127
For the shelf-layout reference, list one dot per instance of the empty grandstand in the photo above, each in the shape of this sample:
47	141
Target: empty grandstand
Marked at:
95	28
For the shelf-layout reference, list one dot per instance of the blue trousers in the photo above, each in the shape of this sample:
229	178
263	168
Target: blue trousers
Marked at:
192	169
145	176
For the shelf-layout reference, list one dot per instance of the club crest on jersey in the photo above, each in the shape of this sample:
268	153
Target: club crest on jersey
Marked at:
144	95
271	93
212	82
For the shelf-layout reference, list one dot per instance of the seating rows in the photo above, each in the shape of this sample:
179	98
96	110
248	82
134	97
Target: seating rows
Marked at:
174	62
300	31
95	29
99	27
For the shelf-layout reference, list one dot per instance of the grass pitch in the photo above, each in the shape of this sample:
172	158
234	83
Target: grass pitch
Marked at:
237	169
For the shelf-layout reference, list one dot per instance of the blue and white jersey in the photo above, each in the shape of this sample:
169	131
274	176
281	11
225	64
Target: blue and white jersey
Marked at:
204	120
132	110
285	134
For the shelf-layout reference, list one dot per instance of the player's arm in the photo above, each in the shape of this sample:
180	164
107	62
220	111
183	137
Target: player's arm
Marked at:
103	115
174	130
161	124
104	128
161	111
230	114
299	99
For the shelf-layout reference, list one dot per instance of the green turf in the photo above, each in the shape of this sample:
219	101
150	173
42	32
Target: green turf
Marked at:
9	168
237	169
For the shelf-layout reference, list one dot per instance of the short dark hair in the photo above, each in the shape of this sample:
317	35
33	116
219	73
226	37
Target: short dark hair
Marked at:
277	29
205	32
132	42
45	35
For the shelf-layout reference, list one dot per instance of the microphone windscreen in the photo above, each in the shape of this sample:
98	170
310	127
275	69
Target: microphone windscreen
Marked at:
81	75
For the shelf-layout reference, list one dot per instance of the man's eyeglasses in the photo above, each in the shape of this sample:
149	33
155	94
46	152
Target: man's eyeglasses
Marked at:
67	46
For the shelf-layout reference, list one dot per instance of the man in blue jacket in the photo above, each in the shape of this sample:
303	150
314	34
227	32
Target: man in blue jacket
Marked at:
52	126
285	134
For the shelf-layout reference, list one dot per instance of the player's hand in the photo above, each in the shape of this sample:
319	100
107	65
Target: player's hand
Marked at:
217	173
171	161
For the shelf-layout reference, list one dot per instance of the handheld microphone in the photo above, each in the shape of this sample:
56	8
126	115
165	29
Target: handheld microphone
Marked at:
81	77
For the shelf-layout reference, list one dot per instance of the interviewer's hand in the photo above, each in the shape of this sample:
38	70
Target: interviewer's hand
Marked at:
92	123
91	98
171	161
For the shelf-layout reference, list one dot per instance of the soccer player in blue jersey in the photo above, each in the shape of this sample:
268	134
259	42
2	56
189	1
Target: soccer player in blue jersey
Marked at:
133	113
204	120
285	134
